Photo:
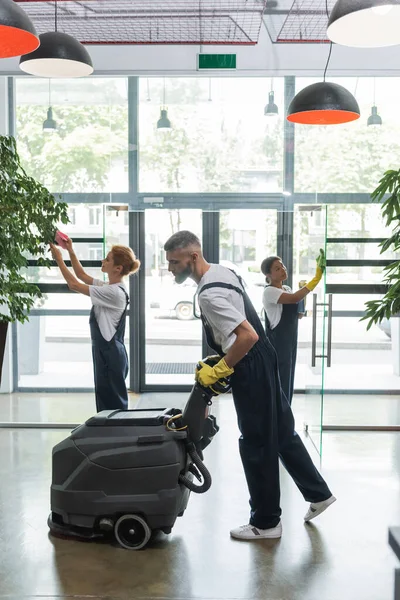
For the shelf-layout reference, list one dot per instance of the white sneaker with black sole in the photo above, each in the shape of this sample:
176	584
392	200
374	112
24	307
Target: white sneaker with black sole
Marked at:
316	508
249	532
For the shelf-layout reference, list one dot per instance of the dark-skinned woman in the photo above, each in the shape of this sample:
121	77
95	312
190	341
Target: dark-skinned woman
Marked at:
282	314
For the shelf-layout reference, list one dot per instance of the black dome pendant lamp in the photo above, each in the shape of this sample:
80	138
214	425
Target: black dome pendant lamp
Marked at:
17	32
59	55
323	103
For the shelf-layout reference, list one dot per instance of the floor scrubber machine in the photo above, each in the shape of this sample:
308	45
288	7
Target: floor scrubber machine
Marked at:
126	474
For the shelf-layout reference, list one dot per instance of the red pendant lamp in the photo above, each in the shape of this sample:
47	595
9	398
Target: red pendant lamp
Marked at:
323	103
17	33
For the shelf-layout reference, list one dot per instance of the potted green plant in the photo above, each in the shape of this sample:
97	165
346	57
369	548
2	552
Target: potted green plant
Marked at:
29	217
388	193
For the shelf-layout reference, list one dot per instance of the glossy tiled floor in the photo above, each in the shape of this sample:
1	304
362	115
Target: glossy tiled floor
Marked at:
343	556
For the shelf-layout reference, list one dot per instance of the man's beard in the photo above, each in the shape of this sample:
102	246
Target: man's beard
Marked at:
181	277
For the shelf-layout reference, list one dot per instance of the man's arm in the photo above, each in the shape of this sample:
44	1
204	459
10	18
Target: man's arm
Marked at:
246	337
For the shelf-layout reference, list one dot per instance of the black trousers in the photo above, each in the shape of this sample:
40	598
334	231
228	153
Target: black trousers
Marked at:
266	424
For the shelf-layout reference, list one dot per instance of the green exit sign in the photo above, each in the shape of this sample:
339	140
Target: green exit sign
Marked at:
216	61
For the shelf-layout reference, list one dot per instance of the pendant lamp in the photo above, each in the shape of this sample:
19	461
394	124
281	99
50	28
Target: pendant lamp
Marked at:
163	122
365	23
271	109
49	125
374	118
59	55
323	103
17	32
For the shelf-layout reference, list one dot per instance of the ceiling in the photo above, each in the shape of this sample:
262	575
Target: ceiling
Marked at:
225	22
298	21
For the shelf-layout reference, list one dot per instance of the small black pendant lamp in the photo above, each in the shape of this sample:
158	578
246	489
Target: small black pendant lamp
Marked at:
49	125
374	118
163	122
271	109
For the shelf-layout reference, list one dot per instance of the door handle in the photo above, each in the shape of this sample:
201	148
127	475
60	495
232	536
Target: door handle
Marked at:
314	332
329	341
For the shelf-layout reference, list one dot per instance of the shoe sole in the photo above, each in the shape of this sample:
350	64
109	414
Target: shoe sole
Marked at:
320	510
256	537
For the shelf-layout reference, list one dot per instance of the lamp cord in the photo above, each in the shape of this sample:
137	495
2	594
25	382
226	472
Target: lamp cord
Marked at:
330	46
55	15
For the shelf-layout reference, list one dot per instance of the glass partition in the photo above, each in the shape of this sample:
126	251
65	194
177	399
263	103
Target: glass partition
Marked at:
219	140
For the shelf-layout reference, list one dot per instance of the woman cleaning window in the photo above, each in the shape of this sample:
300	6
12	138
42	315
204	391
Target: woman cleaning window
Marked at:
282	315
107	319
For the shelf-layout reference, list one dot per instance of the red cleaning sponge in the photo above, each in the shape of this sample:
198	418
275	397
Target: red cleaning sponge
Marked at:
60	239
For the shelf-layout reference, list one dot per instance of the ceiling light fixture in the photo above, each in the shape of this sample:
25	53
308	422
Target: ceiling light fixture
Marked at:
365	23
59	55
49	125
17	32
374	118
323	103
163	122
271	109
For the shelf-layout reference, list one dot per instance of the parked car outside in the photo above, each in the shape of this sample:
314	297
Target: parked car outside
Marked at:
176	300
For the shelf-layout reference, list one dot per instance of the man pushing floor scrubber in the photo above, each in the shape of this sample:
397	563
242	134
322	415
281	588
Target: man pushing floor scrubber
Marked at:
265	419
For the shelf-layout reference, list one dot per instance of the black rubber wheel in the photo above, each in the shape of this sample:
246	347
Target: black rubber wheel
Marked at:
132	532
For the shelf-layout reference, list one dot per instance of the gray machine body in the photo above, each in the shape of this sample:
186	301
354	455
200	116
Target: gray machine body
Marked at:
120	462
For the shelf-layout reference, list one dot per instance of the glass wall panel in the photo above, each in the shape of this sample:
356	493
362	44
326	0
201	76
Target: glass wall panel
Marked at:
361	359
56	352
246	238
88	150
350	157
173	334
220	140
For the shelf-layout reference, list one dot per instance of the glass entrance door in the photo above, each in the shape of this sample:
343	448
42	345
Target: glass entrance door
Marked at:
314	342
246	237
173	342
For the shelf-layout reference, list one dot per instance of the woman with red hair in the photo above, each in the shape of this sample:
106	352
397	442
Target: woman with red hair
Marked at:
107	319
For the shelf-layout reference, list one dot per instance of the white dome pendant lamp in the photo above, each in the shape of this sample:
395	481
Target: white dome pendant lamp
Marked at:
59	55
365	23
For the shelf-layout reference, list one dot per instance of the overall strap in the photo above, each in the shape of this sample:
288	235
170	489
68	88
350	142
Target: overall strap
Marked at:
267	321
121	287
207	328
216	284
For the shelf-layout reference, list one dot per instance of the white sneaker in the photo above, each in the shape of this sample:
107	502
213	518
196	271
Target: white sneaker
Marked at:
316	508
249	532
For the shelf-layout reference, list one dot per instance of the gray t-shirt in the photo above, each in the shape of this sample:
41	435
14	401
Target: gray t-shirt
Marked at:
109	302
223	308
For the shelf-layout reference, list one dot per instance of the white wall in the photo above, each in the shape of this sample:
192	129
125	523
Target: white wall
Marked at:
263	59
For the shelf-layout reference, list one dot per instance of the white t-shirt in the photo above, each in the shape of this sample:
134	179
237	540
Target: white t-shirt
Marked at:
109	303
270	301
222	308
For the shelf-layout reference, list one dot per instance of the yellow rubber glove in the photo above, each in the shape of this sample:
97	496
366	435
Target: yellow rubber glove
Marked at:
207	375
321	263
